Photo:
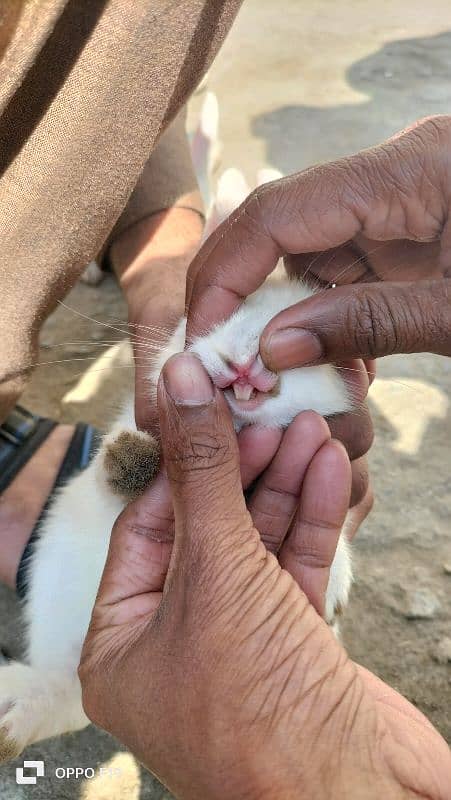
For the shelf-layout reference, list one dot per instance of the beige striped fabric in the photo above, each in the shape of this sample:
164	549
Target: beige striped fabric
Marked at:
86	91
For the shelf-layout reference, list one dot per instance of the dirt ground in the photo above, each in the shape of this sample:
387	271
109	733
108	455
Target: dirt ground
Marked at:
300	83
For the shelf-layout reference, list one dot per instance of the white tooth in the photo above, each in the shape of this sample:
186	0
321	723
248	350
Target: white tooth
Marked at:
243	392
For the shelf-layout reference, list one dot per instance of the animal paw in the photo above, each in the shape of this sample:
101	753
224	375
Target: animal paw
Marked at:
131	462
36	704
340	582
16	710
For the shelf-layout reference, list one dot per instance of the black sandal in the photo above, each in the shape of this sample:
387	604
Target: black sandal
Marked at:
21	434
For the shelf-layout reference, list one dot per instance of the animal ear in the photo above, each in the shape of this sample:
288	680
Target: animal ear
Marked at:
231	190
209	117
205	146
268	174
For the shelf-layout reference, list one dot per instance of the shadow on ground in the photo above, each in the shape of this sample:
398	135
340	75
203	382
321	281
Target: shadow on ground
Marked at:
401	76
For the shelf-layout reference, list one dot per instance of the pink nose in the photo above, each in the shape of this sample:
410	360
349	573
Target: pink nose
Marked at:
246	378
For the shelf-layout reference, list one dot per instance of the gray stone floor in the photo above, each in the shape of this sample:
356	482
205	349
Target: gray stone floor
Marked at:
298	83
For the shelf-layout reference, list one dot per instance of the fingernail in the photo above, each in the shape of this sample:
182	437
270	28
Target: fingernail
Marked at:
292	347
186	381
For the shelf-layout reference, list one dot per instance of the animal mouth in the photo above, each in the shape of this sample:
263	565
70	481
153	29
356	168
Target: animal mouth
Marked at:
244	397
244	391
248	385
248	401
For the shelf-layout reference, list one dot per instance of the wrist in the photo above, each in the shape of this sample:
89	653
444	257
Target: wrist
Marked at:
157	291
151	258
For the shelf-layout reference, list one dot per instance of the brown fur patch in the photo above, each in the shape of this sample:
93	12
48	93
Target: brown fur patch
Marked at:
131	462
9	748
338	610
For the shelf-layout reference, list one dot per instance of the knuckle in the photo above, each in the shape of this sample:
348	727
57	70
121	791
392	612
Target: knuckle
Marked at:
255	208
312	557
260	210
140	520
202	451
439	320
372	325
309	548
272	540
435	128
273	202
358	176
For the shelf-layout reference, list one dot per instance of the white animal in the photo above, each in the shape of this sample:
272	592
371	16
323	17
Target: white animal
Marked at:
41	697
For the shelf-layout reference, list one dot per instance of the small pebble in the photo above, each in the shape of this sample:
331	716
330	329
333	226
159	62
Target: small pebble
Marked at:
447	569
420	604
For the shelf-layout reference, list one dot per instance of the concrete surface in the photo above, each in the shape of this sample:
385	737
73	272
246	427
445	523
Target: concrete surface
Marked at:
299	83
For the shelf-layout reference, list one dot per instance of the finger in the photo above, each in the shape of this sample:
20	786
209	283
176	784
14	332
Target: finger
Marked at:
308	552
276	496
358	513
146	413
379	193
202	461
401	259
257	446
138	556
354	430
361	321
360	481
201	257
227	288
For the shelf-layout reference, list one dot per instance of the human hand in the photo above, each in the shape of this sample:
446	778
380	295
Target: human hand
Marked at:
226	682
151	260
397	195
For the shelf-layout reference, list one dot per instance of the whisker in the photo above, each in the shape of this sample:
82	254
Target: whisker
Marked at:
310	264
106	369
361	258
148	345
169	329
84	343
393	269
98	322
382	377
166	329
344	270
82	358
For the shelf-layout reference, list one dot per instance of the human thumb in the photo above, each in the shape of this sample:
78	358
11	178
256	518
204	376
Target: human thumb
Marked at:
201	458
361	321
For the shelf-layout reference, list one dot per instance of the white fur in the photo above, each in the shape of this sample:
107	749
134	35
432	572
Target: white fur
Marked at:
318	388
205	146
42	697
